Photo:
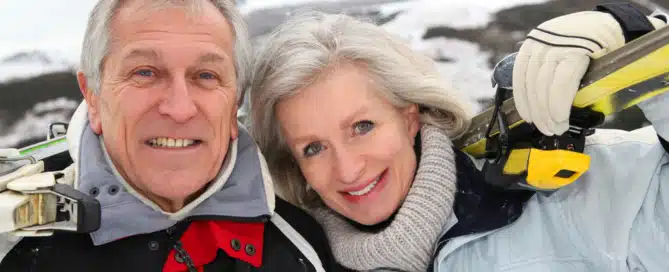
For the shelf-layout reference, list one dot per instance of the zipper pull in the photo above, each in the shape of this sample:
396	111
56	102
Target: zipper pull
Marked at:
303	264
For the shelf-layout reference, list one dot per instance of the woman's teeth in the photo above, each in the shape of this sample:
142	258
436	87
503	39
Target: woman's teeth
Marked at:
367	189
171	142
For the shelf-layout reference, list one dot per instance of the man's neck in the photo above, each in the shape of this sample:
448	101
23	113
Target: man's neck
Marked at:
170	205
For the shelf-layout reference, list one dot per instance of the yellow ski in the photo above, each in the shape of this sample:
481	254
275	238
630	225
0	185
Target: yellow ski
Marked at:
616	81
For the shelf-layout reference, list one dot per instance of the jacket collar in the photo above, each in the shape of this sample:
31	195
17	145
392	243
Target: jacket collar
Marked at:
242	191
479	206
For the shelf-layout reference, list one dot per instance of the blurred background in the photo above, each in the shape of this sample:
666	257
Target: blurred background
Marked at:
40	42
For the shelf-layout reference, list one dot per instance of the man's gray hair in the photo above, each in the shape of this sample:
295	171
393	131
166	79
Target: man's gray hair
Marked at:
309	45
98	36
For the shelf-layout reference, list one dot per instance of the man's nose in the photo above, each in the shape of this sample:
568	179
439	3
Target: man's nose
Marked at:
178	103
349	165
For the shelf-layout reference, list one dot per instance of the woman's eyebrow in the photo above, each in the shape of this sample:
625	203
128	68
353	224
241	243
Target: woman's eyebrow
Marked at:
349	119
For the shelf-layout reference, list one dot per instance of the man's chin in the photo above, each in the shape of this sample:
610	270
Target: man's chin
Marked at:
174	189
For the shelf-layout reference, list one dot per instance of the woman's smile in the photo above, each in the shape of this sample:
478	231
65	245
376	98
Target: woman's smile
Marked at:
368	190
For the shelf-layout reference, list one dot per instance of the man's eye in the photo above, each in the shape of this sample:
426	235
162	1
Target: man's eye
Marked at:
312	149
206	75
363	127
207	80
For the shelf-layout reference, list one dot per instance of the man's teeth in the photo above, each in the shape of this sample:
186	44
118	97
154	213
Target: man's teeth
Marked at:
366	189
171	142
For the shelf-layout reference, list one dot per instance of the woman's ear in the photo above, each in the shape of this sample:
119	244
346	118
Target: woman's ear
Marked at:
412	117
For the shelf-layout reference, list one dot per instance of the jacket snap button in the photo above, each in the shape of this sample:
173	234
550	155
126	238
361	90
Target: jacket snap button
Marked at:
153	245
94	191
250	250
178	258
236	244
112	190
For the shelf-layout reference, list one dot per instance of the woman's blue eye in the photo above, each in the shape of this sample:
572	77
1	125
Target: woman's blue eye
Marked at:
312	149
144	72
363	127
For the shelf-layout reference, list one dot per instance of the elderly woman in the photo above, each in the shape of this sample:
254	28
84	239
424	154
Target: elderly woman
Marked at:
357	129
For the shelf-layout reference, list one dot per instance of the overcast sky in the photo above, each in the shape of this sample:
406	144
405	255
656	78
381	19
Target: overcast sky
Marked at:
58	25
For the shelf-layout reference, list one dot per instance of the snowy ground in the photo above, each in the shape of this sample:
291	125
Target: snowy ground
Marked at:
468	69
255	5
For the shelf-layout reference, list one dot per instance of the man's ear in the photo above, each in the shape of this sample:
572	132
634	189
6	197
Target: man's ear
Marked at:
92	102
234	129
412	117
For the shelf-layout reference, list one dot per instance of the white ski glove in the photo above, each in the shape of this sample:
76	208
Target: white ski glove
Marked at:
552	61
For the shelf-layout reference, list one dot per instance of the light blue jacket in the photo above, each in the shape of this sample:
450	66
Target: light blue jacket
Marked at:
614	218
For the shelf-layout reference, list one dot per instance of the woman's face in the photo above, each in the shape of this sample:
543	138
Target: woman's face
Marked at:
353	146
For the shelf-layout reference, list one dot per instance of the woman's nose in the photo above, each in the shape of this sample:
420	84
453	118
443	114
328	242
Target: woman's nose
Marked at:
349	165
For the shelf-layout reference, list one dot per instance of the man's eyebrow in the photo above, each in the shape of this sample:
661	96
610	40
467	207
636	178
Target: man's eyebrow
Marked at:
142	53
210	57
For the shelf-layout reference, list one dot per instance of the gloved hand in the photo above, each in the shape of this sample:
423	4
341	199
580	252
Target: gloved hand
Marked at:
552	61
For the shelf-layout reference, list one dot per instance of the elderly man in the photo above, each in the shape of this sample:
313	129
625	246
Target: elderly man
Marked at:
181	185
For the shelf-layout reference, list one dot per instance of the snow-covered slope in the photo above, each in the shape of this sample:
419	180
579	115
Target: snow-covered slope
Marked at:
27	64
35	121
249	6
467	64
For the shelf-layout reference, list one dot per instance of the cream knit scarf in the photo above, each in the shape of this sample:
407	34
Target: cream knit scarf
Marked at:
407	243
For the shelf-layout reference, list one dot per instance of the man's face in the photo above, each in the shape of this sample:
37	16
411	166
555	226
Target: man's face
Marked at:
167	105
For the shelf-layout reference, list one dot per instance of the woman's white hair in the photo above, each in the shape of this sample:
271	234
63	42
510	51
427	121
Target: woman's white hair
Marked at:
99	30
306	47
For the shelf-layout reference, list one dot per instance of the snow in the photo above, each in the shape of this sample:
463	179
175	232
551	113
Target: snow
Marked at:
254	5
34	123
468	70
456	14
390	8
35	64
